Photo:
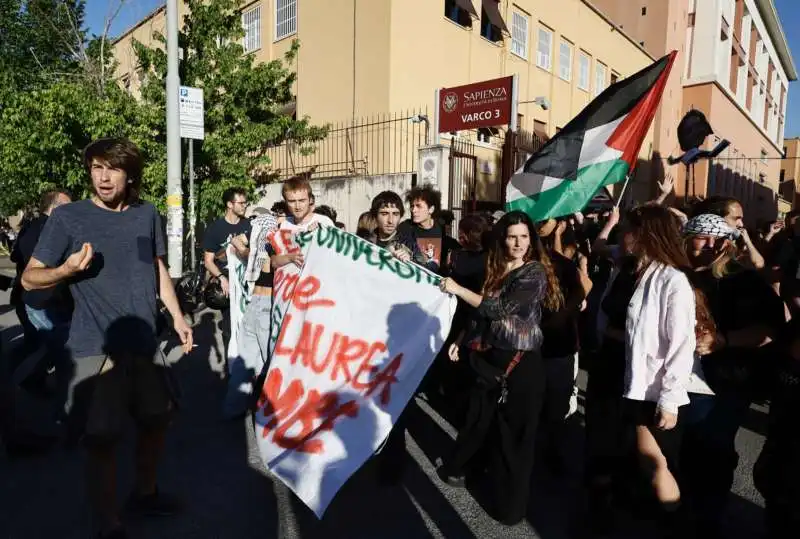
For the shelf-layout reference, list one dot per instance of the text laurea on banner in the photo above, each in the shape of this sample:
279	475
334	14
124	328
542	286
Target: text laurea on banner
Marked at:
347	358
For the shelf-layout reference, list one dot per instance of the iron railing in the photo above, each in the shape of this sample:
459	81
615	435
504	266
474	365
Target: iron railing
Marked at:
378	144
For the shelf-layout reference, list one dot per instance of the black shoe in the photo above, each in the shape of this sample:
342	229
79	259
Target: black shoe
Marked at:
157	504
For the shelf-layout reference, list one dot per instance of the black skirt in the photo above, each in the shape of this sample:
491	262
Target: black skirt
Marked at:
643	414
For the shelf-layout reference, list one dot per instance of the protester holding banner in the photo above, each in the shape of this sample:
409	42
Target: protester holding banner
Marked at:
387	209
426	203
219	233
255	326
502	347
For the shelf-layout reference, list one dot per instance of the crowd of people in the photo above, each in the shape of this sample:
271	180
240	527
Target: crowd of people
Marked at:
681	316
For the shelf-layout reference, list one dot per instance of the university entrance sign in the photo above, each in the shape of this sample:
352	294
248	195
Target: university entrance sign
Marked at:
482	104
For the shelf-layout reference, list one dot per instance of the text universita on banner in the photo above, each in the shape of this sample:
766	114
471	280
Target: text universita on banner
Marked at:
358	331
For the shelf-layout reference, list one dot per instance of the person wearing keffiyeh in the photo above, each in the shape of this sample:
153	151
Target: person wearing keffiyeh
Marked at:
255	332
745	314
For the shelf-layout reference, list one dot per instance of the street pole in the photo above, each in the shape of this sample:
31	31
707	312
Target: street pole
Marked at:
174	192
192	205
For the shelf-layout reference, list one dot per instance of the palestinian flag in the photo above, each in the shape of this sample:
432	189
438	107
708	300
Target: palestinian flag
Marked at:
597	148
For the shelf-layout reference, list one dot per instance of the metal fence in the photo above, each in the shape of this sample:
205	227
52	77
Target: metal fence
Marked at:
374	145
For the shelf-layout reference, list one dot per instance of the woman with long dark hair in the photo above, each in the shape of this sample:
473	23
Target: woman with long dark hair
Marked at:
651	312
502	347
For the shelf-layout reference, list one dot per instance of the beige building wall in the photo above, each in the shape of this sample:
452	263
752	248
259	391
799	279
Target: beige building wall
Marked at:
735	64
660	27
736	172
361	58
790	171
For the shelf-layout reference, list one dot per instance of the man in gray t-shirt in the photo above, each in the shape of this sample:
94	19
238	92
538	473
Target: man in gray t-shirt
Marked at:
109	250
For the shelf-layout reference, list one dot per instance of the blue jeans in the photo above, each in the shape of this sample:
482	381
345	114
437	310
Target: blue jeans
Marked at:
254	337
52	329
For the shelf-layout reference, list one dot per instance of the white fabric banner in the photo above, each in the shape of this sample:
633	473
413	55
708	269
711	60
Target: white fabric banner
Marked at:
239	297
358	331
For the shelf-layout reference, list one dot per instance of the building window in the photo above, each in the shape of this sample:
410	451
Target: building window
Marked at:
457	14
520	121
251	23
565	61
544	52
126	82
519	35
763	156
489	28
644	11
599	78
783	175
614	78
762	178
285	18
583	70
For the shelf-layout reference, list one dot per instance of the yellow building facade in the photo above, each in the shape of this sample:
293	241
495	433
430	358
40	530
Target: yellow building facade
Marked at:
360	58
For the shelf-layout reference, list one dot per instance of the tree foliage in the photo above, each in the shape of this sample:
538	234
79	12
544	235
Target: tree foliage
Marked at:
54	103
243	100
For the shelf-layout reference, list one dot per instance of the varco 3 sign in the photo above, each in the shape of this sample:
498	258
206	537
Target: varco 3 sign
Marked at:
482	104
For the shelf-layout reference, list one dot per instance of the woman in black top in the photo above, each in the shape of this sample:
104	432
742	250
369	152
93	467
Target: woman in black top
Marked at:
748	314
502	349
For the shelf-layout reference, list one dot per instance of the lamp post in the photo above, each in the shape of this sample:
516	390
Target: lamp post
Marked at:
174	191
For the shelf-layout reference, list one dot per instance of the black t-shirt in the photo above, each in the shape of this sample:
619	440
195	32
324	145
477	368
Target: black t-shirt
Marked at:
741	299
467	268
55	298
786	256
615	304
561	333
219	233
433	243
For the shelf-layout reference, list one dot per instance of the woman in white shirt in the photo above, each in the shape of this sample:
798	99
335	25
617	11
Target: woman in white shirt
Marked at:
660	341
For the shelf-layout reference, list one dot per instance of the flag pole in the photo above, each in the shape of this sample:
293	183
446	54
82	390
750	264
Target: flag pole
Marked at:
622	193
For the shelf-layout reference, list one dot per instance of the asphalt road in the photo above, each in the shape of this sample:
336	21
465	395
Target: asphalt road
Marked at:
215	467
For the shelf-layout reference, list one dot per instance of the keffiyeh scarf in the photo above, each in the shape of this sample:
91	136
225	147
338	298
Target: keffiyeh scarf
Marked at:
709	224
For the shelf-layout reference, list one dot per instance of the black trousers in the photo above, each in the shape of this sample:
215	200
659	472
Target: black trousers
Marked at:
504	435
605	428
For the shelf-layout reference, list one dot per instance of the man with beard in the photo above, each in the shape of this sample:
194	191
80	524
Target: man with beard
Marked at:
232	226
747	314
110	250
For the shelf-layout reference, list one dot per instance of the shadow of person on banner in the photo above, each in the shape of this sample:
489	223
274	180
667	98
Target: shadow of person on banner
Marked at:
411	330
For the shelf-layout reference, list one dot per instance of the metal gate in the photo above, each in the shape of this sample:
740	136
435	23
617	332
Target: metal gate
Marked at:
463	179
517	148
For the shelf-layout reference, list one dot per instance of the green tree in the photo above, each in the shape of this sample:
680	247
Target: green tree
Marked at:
43	133
41	42
243	100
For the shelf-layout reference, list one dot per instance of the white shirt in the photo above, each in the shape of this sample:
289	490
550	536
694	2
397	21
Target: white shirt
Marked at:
322	220
660	340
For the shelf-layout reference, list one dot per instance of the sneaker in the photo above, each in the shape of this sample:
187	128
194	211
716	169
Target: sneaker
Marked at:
157	504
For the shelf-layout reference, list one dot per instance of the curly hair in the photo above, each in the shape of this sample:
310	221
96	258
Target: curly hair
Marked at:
496	263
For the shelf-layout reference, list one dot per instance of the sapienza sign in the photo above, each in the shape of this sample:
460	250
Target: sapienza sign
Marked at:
482	104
